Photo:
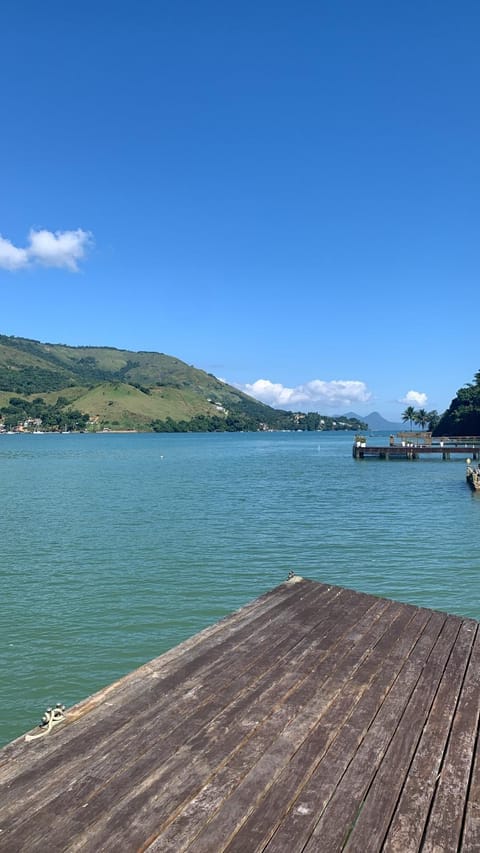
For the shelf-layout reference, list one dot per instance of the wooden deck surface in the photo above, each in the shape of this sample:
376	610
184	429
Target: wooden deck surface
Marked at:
314	719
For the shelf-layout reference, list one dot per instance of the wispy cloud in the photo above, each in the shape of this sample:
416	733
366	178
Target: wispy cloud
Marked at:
61	249
414	398
336	393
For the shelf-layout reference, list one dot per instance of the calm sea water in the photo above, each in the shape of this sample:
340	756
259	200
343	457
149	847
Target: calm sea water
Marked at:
114	548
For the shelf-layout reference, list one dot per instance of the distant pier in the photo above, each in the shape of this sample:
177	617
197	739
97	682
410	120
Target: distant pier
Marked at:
412	445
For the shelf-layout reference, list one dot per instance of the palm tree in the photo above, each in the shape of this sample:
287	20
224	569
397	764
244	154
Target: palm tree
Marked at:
409	415
433	419
421	418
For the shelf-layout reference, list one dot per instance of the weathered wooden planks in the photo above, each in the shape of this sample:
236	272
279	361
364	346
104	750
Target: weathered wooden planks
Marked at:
315	718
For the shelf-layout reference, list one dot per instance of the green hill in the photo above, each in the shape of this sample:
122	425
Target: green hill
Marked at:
463	414
104	387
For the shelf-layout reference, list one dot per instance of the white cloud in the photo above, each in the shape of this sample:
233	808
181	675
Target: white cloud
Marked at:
61	249
337	393
414	398
12	258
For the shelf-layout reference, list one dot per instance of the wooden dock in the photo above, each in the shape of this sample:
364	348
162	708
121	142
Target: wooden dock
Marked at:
316	718
413	450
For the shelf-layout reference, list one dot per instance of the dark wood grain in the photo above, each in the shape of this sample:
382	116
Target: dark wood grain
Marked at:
444	828
315	718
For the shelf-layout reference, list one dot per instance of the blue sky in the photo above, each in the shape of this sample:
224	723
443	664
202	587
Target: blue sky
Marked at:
283	194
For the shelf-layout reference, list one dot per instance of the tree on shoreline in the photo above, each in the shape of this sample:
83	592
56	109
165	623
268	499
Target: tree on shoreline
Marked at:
409	415
463	415
421	418
433	418
52	418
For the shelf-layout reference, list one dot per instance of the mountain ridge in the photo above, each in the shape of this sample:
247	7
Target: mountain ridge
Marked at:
123	389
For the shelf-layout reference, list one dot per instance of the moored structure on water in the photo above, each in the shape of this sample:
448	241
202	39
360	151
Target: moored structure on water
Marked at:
473	477
413	445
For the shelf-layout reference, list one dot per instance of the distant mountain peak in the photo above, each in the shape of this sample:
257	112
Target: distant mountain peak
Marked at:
376	421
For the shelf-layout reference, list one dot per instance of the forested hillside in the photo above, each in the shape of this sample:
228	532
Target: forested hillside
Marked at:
463	414
65	387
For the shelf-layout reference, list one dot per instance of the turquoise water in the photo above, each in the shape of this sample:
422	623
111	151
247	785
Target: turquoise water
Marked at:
114	548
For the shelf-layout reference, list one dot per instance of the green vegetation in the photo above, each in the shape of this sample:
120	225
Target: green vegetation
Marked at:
35	413
243	423
421	417
463	415
116	389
